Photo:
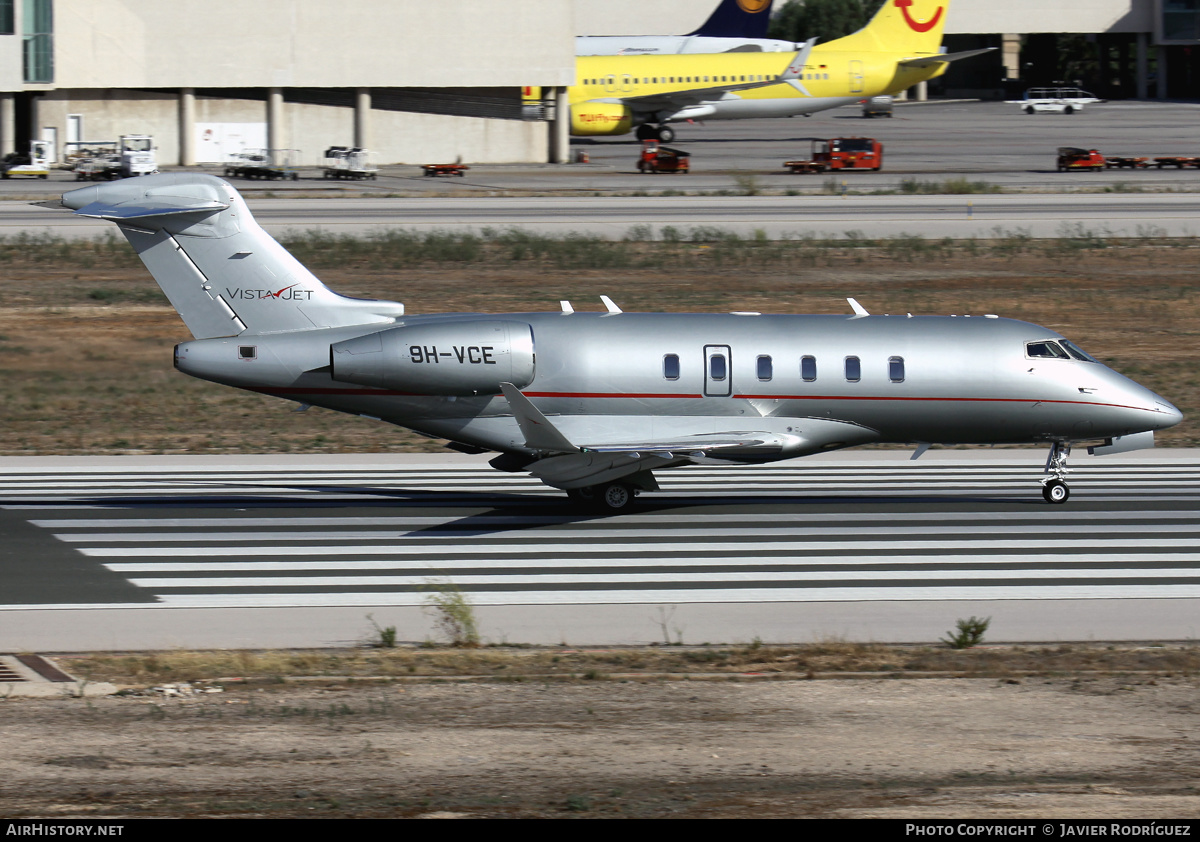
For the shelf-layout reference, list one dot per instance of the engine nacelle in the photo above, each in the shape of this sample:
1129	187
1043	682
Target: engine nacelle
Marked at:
453	358
601	118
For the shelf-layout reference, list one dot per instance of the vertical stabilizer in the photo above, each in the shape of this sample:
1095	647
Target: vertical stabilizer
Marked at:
912	27
224	274
738	19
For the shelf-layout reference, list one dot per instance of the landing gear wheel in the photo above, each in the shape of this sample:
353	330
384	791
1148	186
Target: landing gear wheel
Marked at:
666	134
645	132
614	496
586	496
1056	491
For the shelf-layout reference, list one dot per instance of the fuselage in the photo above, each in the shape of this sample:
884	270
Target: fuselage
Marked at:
820	382
618	93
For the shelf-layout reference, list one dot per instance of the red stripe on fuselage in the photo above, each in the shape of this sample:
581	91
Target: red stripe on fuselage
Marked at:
383	393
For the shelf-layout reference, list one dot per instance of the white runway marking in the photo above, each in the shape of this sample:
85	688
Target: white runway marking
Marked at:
855	531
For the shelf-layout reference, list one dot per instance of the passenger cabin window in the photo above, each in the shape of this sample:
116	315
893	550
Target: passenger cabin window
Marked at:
671	366
716	367
808	368
853	369
1045	351
764	368
896	369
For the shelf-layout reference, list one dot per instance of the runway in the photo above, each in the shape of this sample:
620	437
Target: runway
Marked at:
984	216
955	534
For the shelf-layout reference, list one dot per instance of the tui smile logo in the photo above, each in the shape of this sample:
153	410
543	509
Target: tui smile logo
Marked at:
915	26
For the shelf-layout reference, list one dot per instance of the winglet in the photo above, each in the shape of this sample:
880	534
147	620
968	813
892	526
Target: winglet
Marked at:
859	310
539	433
795	68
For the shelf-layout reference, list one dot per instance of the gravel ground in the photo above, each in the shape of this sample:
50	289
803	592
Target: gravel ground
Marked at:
982	747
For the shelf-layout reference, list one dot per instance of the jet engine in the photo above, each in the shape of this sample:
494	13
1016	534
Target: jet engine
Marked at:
443	358
601	118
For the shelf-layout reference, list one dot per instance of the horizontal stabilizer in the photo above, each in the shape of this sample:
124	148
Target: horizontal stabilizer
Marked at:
146	210
942	58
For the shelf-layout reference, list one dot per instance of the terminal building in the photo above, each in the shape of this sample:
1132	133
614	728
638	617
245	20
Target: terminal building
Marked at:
420	82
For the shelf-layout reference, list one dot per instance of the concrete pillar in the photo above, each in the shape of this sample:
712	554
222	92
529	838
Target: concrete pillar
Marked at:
275	133
187	127
1160	73
8	123
560	127
1010	55
1142	65
362	118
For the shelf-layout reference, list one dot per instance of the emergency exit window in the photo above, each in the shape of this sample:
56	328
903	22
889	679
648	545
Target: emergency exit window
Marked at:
716	367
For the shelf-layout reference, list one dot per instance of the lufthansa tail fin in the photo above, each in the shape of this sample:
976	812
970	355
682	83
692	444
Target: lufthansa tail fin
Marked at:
224	274
738	19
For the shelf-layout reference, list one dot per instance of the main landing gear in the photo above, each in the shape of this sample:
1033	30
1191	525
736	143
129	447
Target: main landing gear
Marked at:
663	133
1054	486
607	497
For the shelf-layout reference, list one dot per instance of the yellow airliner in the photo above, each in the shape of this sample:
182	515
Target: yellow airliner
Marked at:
898	48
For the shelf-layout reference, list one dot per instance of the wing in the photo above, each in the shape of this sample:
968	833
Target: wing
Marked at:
677	100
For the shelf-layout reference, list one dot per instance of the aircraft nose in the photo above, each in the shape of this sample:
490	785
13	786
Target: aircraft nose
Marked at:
1169	415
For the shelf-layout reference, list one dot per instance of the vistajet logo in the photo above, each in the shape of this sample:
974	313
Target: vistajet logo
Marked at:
286	294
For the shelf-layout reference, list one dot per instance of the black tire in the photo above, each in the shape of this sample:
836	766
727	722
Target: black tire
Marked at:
666	134
614	496
1056	492
583	496
645	132
1028	109
1068	110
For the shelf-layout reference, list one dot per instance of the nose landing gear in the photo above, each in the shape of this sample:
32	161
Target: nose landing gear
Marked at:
1054	486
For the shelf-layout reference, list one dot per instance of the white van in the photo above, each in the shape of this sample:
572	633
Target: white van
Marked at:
1055	100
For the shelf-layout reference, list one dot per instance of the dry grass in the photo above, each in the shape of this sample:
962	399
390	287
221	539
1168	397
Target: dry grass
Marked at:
823	659
85	337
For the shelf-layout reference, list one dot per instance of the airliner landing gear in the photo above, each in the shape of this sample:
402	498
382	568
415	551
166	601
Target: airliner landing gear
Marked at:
1054	487
647	132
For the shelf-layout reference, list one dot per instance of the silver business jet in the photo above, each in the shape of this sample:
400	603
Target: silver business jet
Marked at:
594	403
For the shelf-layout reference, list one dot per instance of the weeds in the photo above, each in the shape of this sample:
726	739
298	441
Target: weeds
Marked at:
453	613
954	186
970	633
385	638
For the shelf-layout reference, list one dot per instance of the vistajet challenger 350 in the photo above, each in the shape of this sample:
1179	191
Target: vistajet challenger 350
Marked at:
595	403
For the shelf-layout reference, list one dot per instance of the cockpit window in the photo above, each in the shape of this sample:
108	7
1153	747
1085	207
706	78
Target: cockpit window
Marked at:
1045	350
1077	352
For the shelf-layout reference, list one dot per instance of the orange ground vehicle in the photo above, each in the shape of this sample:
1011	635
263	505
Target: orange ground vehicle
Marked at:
445	169
659	158
1076	158
841	153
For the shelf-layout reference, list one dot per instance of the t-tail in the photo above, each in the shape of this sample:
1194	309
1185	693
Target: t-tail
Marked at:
912	27
738	19
224	274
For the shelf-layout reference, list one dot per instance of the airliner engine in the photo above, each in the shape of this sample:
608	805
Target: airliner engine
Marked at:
450	358
601	118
